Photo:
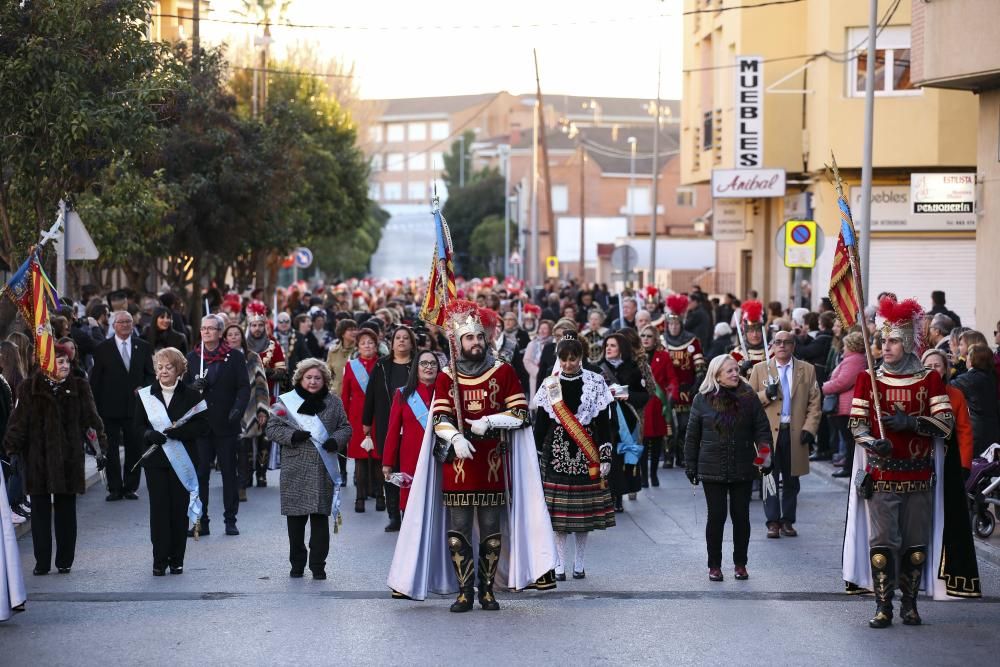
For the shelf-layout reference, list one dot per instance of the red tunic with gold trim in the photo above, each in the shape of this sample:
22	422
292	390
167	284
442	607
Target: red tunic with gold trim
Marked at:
689	363
273	359
479	480
909	466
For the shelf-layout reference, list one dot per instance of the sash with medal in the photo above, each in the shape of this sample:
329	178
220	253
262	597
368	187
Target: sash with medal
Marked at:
360	374
572	426
318	435
173	449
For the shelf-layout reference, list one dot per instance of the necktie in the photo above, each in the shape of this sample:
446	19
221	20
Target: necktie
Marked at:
786	394
126	355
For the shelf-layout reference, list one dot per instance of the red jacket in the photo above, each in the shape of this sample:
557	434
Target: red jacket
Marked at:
404	436
354	403
662	367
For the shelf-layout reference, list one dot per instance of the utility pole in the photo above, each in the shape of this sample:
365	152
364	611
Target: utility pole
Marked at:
583	216
196	29
656	179
461	160
535	261
505	155
631	205
549	218
865	231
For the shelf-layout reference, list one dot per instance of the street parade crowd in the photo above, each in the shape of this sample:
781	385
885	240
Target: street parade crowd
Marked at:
512	421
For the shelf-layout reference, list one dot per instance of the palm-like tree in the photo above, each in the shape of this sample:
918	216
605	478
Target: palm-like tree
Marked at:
264	11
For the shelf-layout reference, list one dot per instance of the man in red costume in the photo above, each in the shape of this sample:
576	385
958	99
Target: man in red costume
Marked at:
689	369
751	350
899	478
491	402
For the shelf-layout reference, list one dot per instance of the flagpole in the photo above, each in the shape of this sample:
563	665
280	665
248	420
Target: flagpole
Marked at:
442	263
847	230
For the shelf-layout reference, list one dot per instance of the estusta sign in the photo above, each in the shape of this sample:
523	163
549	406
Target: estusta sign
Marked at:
748	183
943	193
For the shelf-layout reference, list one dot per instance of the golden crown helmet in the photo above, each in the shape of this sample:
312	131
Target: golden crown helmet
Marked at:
463	317
256	312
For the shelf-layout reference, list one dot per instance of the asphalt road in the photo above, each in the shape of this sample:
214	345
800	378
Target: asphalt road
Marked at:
646	598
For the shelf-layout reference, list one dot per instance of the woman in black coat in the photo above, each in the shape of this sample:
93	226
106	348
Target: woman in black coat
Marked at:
979	386
389	374
728	441
161	334
168	499
52	418
628	388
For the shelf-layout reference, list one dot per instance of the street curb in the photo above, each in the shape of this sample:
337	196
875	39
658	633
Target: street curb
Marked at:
985	550
23	529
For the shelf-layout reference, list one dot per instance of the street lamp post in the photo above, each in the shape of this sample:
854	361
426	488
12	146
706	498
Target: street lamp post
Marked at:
631	203
505	161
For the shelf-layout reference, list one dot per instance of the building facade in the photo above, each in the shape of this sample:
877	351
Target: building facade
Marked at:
774	91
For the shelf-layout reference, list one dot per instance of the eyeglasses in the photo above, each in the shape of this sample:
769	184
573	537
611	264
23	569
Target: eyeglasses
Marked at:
646	336
211	329
428	364
783	342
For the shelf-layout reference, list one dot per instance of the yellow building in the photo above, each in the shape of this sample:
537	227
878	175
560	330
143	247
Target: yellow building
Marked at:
769	92
171	20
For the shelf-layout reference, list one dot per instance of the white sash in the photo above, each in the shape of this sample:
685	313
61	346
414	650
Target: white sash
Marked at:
318	435
174	450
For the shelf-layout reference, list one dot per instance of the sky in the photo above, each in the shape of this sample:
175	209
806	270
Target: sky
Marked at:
402	48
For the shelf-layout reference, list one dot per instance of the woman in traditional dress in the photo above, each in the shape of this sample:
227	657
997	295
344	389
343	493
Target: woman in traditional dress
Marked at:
573	438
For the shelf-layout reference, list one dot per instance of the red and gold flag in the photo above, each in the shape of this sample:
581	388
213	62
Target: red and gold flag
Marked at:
45	347
843	295
440	289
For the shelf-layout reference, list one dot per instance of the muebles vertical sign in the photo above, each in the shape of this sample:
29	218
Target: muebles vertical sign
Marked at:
749	107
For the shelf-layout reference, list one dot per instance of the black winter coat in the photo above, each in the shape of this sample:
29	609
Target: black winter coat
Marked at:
184	399
48	428
378	399
721	433
980	391
227	390
112	384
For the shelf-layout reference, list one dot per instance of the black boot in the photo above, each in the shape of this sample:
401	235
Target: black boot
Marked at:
489	558
263	458
392	509
884	584
461	560
911	568
644	465
654	461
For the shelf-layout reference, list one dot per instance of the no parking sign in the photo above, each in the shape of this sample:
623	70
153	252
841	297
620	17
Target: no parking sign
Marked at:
800	244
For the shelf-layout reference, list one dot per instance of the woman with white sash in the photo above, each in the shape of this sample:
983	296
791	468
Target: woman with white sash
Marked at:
408	420
311	427
171	416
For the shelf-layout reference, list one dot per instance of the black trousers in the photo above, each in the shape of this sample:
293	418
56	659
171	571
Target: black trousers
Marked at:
651	457
222	447
368	478
840	424
244	462
738	496
122	432
319	541
780	507
59	509
168	520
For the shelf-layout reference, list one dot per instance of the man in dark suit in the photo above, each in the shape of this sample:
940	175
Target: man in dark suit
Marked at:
122	365
220	373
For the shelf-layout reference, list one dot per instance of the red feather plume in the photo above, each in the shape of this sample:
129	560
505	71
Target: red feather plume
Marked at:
460	308
256	308
651	290
899	311
677	303
533	309
752	311
490	320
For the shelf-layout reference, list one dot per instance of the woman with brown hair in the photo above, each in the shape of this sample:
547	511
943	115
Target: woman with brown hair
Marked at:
979	386
25	350
11	366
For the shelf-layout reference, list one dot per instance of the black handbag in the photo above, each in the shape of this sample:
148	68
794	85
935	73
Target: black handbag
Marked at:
830	403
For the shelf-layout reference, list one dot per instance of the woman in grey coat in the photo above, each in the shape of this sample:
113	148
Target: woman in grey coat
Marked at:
306	485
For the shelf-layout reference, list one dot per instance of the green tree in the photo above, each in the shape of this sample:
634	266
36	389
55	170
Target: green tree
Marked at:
467	207
486	247
80	86
349	253
452	175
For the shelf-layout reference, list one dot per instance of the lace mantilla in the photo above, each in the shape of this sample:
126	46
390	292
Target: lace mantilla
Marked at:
595	397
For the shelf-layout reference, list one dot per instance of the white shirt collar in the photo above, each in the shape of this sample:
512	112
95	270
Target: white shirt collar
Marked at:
121	341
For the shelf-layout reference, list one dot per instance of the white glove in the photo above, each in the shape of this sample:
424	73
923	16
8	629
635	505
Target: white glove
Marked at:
463	448
605	469
367	444
479	426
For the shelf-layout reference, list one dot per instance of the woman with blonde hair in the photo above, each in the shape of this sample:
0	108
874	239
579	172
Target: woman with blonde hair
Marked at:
728	445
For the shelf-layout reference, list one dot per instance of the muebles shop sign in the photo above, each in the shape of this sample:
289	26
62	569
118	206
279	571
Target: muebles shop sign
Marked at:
749	134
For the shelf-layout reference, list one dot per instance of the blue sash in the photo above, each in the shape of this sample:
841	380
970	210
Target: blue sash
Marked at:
174	450
628	442
360	373
418	408
318	435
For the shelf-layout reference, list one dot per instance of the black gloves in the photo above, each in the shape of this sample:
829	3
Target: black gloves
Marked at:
199	384
330	445
765	471
234	415
900	421
300	436
745	366
101	463
881	447
807	438
692	476
154	437
771	391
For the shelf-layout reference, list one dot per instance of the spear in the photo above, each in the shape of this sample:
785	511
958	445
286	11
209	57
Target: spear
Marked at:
850	236
442	262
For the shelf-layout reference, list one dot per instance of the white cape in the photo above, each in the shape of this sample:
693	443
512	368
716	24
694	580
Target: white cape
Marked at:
421	562
12	591
856	567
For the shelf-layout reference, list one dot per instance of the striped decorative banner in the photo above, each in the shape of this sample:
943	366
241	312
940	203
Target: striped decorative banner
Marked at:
843	295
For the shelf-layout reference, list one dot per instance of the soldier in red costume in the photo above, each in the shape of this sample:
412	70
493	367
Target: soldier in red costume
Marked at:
900	469
751	350
491	402
689	369
272	359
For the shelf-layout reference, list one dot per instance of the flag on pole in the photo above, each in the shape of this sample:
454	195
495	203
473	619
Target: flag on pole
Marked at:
843	295
432	310
32	292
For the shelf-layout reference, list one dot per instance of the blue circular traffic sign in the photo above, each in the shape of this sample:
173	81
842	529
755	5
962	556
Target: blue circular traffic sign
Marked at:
303	258
801	234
